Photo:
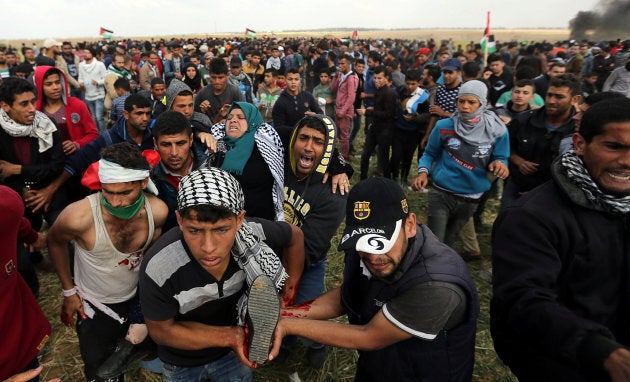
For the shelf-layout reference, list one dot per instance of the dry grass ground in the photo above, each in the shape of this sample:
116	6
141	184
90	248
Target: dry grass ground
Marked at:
63	360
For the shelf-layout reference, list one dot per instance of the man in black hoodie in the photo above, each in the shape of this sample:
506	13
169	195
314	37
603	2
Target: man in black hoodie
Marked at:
311	205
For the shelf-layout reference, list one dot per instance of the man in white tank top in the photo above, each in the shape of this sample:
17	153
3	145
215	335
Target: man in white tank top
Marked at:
110	231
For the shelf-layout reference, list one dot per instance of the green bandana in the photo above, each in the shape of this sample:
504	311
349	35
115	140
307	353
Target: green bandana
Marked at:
124	213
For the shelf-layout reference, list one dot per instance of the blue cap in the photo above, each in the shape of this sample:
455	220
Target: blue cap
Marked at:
452	64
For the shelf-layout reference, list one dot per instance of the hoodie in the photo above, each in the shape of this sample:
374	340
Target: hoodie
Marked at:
198	121
309	203
93	71
79	121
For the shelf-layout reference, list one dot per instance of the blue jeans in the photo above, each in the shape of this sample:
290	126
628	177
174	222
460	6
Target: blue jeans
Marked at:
228	369
310	287
97	109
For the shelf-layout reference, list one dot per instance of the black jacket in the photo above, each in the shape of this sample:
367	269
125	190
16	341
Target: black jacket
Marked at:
561	284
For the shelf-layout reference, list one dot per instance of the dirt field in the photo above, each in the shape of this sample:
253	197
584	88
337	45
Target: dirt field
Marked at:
458	35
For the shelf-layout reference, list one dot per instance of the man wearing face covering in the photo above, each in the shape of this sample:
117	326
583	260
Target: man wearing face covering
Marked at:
463	155
111	231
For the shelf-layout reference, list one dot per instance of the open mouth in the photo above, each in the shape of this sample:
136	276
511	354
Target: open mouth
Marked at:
306	161
620	176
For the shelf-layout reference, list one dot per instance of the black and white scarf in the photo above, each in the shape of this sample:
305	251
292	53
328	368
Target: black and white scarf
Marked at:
42	128
578	175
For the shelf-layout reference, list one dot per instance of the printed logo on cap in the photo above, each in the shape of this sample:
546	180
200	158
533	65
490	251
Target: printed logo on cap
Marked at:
361	210
404	205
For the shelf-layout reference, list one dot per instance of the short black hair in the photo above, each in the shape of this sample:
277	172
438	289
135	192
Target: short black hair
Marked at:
602	113
382	69
525	73
218	66
136	100
157	81
471	69
273	71
601	96
12	87
525	82
206	213
170	123
495	57
567	80
125	154
122	83
413	75
434	71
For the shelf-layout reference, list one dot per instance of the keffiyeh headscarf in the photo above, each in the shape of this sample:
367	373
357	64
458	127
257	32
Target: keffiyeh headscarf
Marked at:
578	175
481	126
42	128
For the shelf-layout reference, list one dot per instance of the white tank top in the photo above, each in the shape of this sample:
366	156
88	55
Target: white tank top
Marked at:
105	273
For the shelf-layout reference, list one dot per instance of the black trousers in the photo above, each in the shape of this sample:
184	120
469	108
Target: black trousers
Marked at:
98	337
381	137
404	145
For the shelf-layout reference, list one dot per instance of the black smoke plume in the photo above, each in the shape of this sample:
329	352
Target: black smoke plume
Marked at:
608	20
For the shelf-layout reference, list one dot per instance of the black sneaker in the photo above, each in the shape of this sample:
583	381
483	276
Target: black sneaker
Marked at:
125	354
315	357
263	310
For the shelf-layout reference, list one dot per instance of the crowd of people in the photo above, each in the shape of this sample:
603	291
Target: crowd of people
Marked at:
192	189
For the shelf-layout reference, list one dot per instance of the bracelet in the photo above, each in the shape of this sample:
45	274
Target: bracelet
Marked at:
423	169
69	292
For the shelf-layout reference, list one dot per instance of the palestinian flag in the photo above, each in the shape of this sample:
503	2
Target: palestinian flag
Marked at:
487	41
250	33
106	34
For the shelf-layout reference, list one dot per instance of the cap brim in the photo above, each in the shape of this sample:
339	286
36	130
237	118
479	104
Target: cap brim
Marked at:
372	240
450	68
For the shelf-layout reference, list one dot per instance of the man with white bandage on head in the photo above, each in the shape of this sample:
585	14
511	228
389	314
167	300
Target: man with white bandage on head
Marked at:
111	230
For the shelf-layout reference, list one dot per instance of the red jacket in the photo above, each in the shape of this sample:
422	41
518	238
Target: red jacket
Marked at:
81	126
23	327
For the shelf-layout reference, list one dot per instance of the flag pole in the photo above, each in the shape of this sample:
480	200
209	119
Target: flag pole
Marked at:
487	33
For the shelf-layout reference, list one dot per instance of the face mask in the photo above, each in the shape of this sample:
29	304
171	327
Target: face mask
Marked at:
124	213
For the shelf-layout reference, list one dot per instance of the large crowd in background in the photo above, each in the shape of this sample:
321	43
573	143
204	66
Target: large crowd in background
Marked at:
480	123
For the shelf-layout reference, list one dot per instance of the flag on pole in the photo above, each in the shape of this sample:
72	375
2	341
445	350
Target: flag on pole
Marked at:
355	34
106	34
487	41
250	33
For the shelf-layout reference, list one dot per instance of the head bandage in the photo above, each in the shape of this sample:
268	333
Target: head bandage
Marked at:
110	172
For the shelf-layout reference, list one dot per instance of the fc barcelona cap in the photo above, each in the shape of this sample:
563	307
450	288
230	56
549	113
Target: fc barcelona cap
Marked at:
375	211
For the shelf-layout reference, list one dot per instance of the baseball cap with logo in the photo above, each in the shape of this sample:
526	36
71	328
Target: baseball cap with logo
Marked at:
375	212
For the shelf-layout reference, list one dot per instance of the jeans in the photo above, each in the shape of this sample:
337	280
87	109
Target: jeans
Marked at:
227	368
310	287
97	109
447	214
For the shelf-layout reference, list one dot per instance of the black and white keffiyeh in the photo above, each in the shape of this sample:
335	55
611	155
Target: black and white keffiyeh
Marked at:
42	128
578	175
210	186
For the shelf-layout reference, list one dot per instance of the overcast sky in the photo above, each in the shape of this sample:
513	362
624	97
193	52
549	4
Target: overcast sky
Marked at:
22	19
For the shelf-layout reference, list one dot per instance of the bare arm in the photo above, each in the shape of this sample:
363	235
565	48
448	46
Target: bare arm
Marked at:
71	224
187	335
293	262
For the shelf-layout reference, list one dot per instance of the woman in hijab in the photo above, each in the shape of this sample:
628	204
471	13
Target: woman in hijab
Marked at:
464	154
252	152
192	77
